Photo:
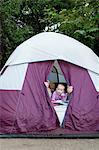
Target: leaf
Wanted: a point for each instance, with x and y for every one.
(93, 30)
(82, 32)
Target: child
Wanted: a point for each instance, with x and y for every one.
(60, 93)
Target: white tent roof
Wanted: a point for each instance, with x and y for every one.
(53, 46)
(48, 46)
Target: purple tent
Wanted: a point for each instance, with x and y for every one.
(26, 108)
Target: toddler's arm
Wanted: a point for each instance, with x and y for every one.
(69, 89)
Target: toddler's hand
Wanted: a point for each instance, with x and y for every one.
(69, 89)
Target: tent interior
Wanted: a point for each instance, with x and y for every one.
(56, 74)
(55, 77)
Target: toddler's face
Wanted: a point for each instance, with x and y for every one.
(60, 89)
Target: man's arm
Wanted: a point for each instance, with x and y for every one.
(48, 89)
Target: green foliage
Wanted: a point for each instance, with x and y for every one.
(21, 19)
(79, 22)
(13, 31)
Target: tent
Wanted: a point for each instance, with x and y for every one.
(25, 107)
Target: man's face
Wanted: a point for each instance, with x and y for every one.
(52, 87)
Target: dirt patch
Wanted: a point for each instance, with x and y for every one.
(49, 144)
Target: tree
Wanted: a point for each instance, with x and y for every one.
(21, 19)
(79, 22)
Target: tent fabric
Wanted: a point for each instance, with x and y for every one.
(30, 109)
(13, 77)
(8, 103)
(83, 110)
(25, 106)
(95, 79)
(53, 46)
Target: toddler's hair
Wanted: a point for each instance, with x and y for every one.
(64, 84)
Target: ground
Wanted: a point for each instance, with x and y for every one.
(49, 144)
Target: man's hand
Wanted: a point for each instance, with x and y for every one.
(47, 83)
